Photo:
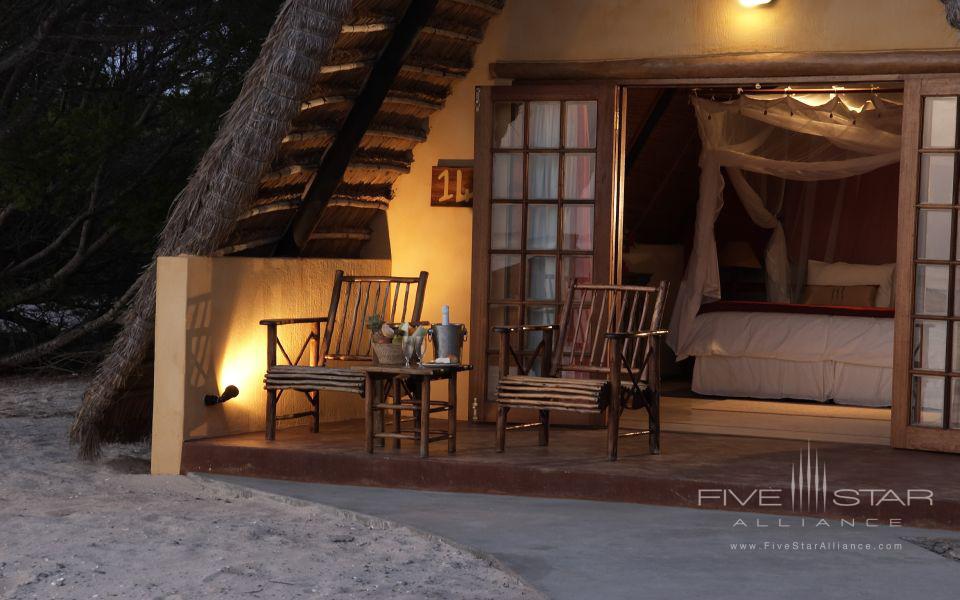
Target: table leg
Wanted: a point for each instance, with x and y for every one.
(368, 398)
(397, 413)
(378, 414)
(452, 413)
(424, 416)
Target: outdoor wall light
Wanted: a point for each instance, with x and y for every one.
(754, 3)
(230, 391)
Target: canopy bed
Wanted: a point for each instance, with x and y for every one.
(825, 329)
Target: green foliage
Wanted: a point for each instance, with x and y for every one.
(105, 108)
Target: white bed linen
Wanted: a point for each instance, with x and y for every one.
(772, 378)
(776, 355)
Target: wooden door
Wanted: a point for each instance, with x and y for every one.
(543, 212)
(926, 375)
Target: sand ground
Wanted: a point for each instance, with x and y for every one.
(108, 530)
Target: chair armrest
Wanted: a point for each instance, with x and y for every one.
(292, 321)
(513, 328)
(623, 335)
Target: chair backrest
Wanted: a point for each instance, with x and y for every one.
(593, 310)
(357, 297)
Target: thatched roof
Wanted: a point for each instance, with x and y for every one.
(441, 54)
(288, 158)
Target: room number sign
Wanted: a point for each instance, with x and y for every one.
(452, 186)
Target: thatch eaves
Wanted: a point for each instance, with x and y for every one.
(441, 55)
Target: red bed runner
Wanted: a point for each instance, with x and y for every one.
(795, 309)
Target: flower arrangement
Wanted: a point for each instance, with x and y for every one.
(394, 343)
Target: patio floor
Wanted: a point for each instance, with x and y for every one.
(574, 466)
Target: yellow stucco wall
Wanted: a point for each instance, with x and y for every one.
(208, 336)
(439, 239)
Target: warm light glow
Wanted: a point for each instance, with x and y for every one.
(754, 3)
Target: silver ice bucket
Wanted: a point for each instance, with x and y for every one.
(448, 340)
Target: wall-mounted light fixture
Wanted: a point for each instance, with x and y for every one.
(755, 3)
(230, 391)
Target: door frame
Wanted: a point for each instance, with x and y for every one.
(903, 433)
(745, 71)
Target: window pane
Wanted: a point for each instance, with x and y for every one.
(929, 345)
(579, 173)
(580, 124)
(928, 400)
(577, 227)
(504, 276)
(933, 234)
(940, 122)
(508, 125)
(503, 315)
(541, 227)
(956, 346)
(544, 124)
(538, 315)
(507, 176)
(936, 179)
(543, 177)
(931, 292)
(955, 404)
(541, 278)
(505, 226)
(576, 268)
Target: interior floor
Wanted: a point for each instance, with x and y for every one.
(685, 411)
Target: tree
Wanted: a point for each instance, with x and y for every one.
(105, 108)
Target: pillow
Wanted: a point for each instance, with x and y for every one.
(840, 295)
(847, 274)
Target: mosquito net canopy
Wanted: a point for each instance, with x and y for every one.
(757, 143)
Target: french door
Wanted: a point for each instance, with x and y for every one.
(926, 394)
(543, 212)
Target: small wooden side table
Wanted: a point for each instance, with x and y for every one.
(417, 379)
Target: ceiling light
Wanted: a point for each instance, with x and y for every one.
(754, 3)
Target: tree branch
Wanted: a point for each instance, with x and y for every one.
(30, 355)
(81, 219)
(47, 250)
(84, 251)
(5, 212)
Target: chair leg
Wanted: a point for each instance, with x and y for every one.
(315, 400)
(502, 427)
(544, 427)
(613, 432)
(653, 411)
(271, 417)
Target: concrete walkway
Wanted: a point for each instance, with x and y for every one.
(586, 550)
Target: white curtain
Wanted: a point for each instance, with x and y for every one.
(798, 137)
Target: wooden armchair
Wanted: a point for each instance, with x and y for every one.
(611, 331)
(341, 336)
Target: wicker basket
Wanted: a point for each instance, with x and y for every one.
(388, 353)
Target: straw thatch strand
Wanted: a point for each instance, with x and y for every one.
(953, 12)
(223, 186)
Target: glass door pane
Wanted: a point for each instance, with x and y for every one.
(544, 176)
(934, 359)
(544, 125)
(507, 176)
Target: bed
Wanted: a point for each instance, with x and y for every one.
(767, 350)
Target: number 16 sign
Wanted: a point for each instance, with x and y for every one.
(452, 186)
